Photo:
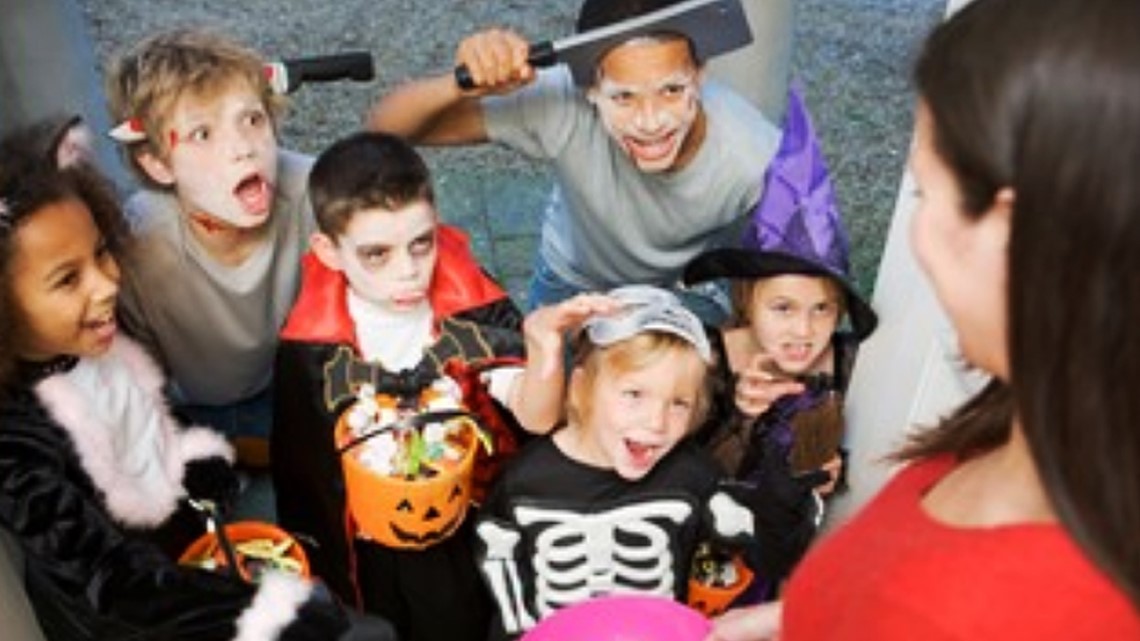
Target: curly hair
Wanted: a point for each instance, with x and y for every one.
(30, 180)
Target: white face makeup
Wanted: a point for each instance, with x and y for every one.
(389, 257)
(648, 97)
(222, 156)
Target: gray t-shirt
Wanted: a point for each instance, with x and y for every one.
(214, 327)
(608, 223)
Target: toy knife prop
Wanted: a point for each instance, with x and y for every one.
(713, 26)
(286, 76)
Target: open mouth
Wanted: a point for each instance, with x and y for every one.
(103, 329)
(641, 454)
(798, 352)
(428, 537)
(255, 194)
(651, 150)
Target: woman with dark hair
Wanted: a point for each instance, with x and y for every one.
(1019, 516)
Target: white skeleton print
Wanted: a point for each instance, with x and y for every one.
(555, 532)
(578, 556)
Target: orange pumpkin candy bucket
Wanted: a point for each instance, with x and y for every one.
(407, 472)
(258, 546)
(716, 582)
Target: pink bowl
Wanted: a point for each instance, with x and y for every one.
(622, 618)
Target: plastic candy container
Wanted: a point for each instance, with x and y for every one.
(622, 618)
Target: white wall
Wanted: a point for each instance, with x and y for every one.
(908, 372)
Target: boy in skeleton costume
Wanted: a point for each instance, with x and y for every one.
(393, 299)
(92, 465)
(617, 500)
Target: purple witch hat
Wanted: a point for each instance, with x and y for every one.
(796, 227)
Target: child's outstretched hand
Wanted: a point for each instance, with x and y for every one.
(545, 328)
(752, 623)
(496, 61)
(757, 387)
(833, 467)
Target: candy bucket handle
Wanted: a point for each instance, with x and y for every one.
(416, 420)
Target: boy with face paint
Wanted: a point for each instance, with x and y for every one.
(653, 162)
(395, 300)
(220, 225)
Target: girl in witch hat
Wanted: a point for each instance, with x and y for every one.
(784, 361)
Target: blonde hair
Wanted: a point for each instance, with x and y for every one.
(145, 83)
(631, 354)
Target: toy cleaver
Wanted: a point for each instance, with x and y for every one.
(713, 26)
(286, 76)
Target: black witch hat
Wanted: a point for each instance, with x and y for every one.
(796, 227)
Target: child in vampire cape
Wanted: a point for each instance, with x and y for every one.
(394, 301)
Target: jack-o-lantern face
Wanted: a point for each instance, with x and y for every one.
(409, 512)
(424, 517)
(713, 600)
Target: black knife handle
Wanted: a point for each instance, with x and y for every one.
(541, 54)
(356, 65)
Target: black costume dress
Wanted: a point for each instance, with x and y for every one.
(92, 466)
(430, 594)
(790, 515)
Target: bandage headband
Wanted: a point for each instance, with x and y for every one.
(132, 130)
(646, 308)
